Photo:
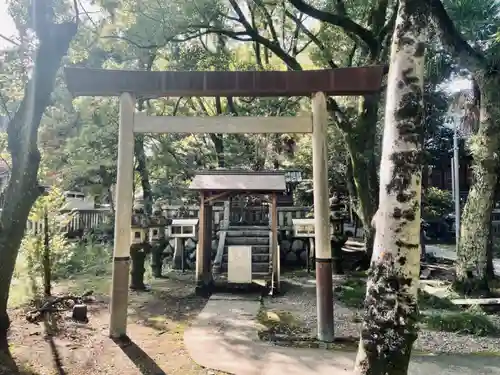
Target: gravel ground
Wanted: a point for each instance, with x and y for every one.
(300, 300)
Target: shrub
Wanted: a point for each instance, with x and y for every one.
(436, 203)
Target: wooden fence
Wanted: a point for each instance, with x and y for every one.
(87, 219)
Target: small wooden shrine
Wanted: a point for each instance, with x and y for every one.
(245, 190)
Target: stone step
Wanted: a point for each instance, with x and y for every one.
(255, 275)
(256, 268)
(247, 233)
(255, 249)
(249, 241)
(248, 227)
(256, 258)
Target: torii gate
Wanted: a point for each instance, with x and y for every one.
(130, 85)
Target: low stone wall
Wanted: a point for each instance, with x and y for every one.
(292, 251)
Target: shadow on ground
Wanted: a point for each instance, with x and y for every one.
(139, 357)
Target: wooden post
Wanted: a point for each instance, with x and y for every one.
(207, 250)
(201, 242)
(324, 287)
(123, 218)
(274, 242)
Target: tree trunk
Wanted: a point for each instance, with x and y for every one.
(490, 268)
(391, 312)
(218, 139)
(142, 169)
(111, 198)
(361, 145)
(46, 255)
(22, 189)
(472, 257)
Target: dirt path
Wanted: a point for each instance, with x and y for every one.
(156, 325)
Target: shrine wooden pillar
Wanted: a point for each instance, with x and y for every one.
(123, 219)
(274, 242)
(204, 248)
(323, 252)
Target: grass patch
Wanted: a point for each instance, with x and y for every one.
(352, 292)
(473, 323)
(428, 301)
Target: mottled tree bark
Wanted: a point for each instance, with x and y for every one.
(22, 189)
(391, 312)
(361, 145)
(472, 257)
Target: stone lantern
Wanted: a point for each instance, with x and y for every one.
(139, 247)
(339, 238)
(157, 239)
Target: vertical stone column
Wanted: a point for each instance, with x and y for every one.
(123, 217)
(324, 287)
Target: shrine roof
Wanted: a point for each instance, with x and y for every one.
(248, 181)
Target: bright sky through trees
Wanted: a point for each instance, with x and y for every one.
(8, 31)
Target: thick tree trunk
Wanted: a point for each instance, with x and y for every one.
(22, 189)
(391, 312)
(218, 139)
(360, 144)
(472, 257)
(490, 268)
(142, 169)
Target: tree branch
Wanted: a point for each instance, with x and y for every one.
(289, 60)
(269, 20)
(344, 22)
(10, 40)
(311, 36)
(471, 58)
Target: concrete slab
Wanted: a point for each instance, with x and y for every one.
(224, 337)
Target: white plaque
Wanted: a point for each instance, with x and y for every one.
(239, 268)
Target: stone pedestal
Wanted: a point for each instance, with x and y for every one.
(138, 253)
(337, 242)
(157, 258)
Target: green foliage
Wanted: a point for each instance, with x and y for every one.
(436, 203)
(33, 246)
(427, 301)
(85, 257)
(352, 292)
(474, 323)
(66, 258)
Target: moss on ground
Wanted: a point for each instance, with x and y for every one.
(352, 292)
(280, 322)
(445, 316)
(428, 301)
(473, 323)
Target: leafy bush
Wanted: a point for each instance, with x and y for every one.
(66, 258)
(436, 203)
